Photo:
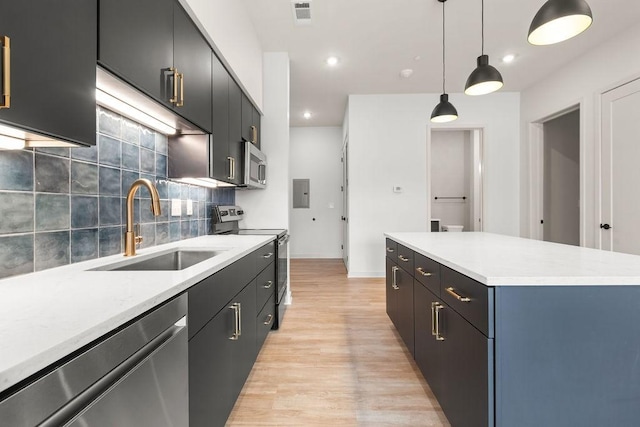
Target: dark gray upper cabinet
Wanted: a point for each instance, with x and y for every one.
(250, 122)
(192, 59)
(136, 43)
(154, 46)
(220, 163)
(52, 68)
(235, 123)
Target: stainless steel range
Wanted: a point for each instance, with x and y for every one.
(225, 221)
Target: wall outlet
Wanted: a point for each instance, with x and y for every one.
(397, 189)
(176, 207)
(189, 207)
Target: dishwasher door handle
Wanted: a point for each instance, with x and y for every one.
(98, 389)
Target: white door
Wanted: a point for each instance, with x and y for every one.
(620, 182)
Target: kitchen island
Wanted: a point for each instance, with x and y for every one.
(518, 332)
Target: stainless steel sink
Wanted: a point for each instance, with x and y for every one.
(178, 259)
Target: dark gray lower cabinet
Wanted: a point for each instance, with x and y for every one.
(428, 351)
(399, 289)
(392, 295)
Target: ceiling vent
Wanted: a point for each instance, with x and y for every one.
(301, 12)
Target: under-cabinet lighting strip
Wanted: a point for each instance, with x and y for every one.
(111, 102)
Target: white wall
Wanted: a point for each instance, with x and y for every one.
(231, 32)
(269, 208)
(387, 147)
(581, 82)
(315, 155)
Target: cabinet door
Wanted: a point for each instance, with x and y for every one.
(192, 58)
(52, 67)
(220, 152)
(244, 349)
(247, 118)
(256, 123)
(392, 292)
(136, 43)
(427, 349)
(405, 324)
(466, 395)
(211, 358)
(235, 129)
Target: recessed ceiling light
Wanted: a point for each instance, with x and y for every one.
(307, 115)
(406, 73)
(332, 61)
(508, 58)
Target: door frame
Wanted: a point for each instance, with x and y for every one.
(482, 129)
(345, 202)
(536, 169)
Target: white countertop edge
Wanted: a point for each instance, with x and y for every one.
(17, 364)
(542, 279)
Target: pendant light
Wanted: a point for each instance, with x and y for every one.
(485, 78)
(444, 111)
(559, 20)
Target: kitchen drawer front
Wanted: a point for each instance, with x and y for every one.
(264, 321)
(471, 299)
(265, 256)
(212, 294)
(266, 284)
(405, 258)
(427, 272)
(391, 250)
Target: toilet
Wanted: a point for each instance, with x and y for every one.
(452, 227)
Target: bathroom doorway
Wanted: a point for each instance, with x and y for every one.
(455, 180)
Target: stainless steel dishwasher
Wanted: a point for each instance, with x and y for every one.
(137, 376)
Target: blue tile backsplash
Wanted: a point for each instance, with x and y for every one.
(66, 205)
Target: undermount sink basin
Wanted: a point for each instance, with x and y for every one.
(178, 259)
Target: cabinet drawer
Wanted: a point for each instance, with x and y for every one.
(405, 258)
(266, 284)
(427, 272)
(473, 300)
(391, 250)
(213, 293)
(264, 321)
(264, 256)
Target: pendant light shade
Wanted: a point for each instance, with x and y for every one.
(444, 111)
(484, 79)
(559, 20)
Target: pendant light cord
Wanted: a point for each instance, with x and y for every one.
(443, 62)
(482, 27)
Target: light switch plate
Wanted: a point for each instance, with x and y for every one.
(176, 207)
(189, 207)
(397, 189)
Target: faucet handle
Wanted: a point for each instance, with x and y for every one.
(136, 233)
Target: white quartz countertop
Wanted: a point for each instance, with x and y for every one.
(45, 316)
(497, 260)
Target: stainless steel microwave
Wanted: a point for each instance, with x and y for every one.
(255, 167)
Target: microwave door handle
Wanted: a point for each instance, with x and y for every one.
(262, 173)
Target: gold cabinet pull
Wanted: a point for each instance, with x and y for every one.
(438, 334)
(390, 250)
(236, 321)
(267, 255)
(6, 72)
(394, 280)
(424, 273)
(239, 318)
(268, 284)
(254, 134)
(402, 258)
(453, 293)
(174, 99)
(231, 174)
(433, 318)
(269, 319)
(180, 103)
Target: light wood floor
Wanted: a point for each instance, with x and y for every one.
(336, 361)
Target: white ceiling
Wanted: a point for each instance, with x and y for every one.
(375, 39)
